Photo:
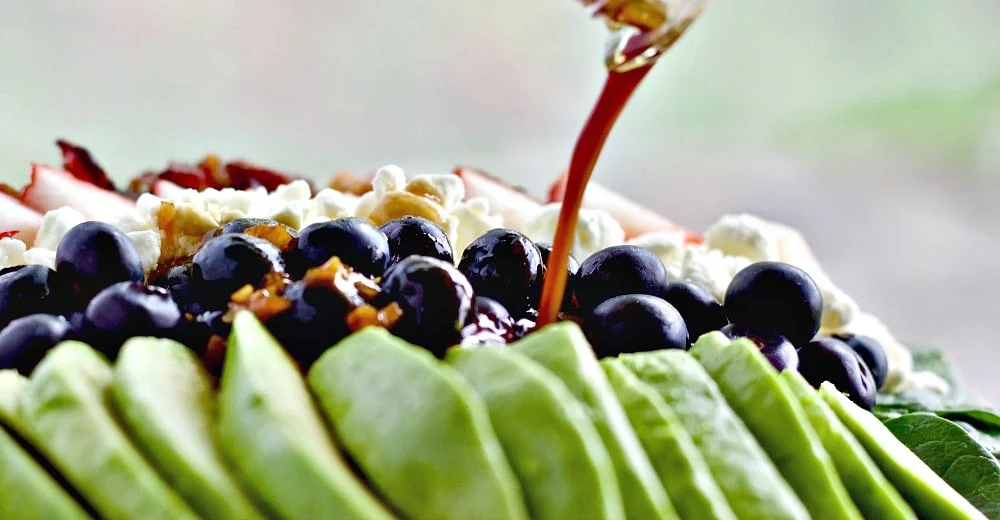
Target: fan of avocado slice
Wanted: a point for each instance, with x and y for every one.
(380, 428)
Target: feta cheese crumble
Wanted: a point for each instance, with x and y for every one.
(595, 230)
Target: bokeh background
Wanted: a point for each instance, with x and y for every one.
(872, 126)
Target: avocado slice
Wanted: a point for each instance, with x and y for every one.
(556, 452)
(165, 401)
(416, 429)
(273, 436)
(65, 413)
(29, 492)
(928, 494)
(563, 349)
(12, 385)
(752, 485)
(871, 491)
(677, 461)
(752, 387)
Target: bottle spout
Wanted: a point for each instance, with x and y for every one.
(642, 30)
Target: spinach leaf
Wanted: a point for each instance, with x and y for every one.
(921, 400)
(954, 455)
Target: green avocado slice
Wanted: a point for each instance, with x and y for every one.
(563, 349)
(273, 436)
(924, 490)
(752, 387)
(752, 485)
(871, 491)
(564, 468)
(64, 410)
(416, 429)
(29, 492)
(681, 468)
(165, 400)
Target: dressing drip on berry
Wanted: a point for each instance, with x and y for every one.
(642, 30)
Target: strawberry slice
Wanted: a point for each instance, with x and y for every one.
(513, 203)
(9, 234)
(166, 190)
(634, 218)
(18, 217)
(52, 188)
(78, 161)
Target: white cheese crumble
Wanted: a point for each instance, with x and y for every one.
(595, 230)
(743, 235)
(669, 247)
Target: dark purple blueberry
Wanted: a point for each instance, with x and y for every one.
(25, 341)
(871, 352)
(477, 338)
(774, 298)
(315, 321)
(506, 266)
(29, 290)
(128, 309)
(357, 242)
(435, 298)
(572, 266)
(777, 349)
(227, 263)
(635, 323)
(94, 255)
(618, 270)
(488, 313)
(416, 236)
(829, 359)
(178, 282)
(701, 312)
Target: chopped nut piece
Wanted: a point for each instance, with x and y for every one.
(243, 294)
(367, 315)
(397, 204)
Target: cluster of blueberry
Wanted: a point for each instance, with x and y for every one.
(620, 295)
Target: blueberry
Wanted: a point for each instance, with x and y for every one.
(829, 359)
(436, 300)
(506, 266)
(701, 312)
(178, 282)
(29, 290)
(25, 341)
(416, 236)
(94, 255)
(635, 323)
(357, 243)
(241, 225)
(774, 298)
(129, 309)
(871, 353)
(227, 263)
(487, 315)
(315, 321)
(572, 266)
(618, 270)
(776, 349)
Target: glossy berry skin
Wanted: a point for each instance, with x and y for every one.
(436, 300)
(29, 290)
(357, 242)
(315, 321)
(240, 225)
(227, 263)
(178, 282)
(25, 341)
(506, 266)
(829, 359)
(871, 352)
(618, 270)
(774, 298)
(129, 309)
(416, 236)
(94, 255)
(701, 312)
(635, 323)
(776, 349)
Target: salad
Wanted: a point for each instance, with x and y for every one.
(225, 340)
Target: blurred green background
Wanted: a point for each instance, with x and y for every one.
(873, 126)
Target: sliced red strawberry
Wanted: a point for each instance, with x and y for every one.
(634, 218)
(243, 175)
(514, 204)
(17, 216)
(9, 234)
(166, 189)
(78, 161)
(52, 188)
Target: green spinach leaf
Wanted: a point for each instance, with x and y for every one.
(954, 455)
